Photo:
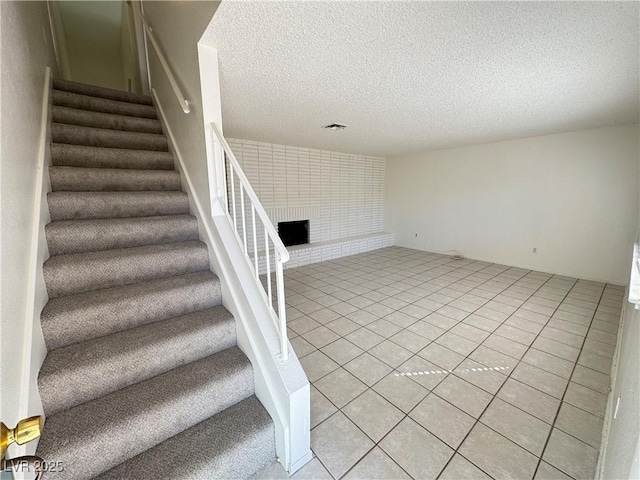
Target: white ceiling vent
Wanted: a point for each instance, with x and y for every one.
(335, 126)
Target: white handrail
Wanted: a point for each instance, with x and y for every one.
(184, 103)
(262, 214)
(281, 254)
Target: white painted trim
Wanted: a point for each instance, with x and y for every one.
(282, 388)
(34, 349)
(613, 375)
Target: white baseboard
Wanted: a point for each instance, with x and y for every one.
(34, 348)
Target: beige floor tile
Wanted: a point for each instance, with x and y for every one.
(506, 346)
(426, 330)
(400, 319)
(570, 455)
(459, 468)
(518, 426)
(542, 380)
(302, 324)
(409, 340)
(341, 351)
(549, 363)
(547, 472)
(403, 392)
(302, 347)
(441, 356)
(342, 326)
(582, 425)
(586, 399)
(558, 349)
(530, 400)
(368, 369)
(364, 338)
(441, 321)
(592, 379)
(496, 455)
(384, 328)
(492, 358)
(339, 444)
(321, 408)
(340, 387)
(390, 353)
(316, 365)
(482, 376)
(457, 343)
(321, 336)
(445, 421)
(373, 414)
(416, 450)
(420, 371)
(314, 470)
(468, 398)
(376, 465)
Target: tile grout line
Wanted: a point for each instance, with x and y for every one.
(555, 419)
(430, 390)
(477, 421)
(513, 282)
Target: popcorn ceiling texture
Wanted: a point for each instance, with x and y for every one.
(412, 76)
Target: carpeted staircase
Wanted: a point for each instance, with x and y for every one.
(143, 378)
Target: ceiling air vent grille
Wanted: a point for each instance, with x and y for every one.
(335, 126)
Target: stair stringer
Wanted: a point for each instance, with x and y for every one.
(282, 387)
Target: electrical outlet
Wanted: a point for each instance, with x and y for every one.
(534, 250)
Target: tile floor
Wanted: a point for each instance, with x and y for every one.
(426, 367)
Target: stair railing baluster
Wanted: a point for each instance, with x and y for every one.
(280, 252)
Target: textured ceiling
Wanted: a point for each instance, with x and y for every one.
(411, 76)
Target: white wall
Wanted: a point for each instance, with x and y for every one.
(573, 196)
(621, 449)
(92, 33)
(26, 50)
(342, 195)
(178, 25)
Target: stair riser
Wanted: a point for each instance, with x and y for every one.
(236, 443)
(100, 157)
(83, 206)
(94, 271)
(73, 179)
(197, 391)
(94, 104)
(101, 92)
(97, 235)
(96, 137)
(152, 350)
(66, 321)
(73, 116)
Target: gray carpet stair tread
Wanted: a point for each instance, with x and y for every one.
(87, 118)
(93, 205)
(98, 435)
(102, 92)
(84, 371)
(81, 317)
(83, 272)
(79, 236)
(96, 104)
(101, 137)
(79, 179)
(101, 157)
(233, 444)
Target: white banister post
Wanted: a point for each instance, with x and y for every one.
(282, 310)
